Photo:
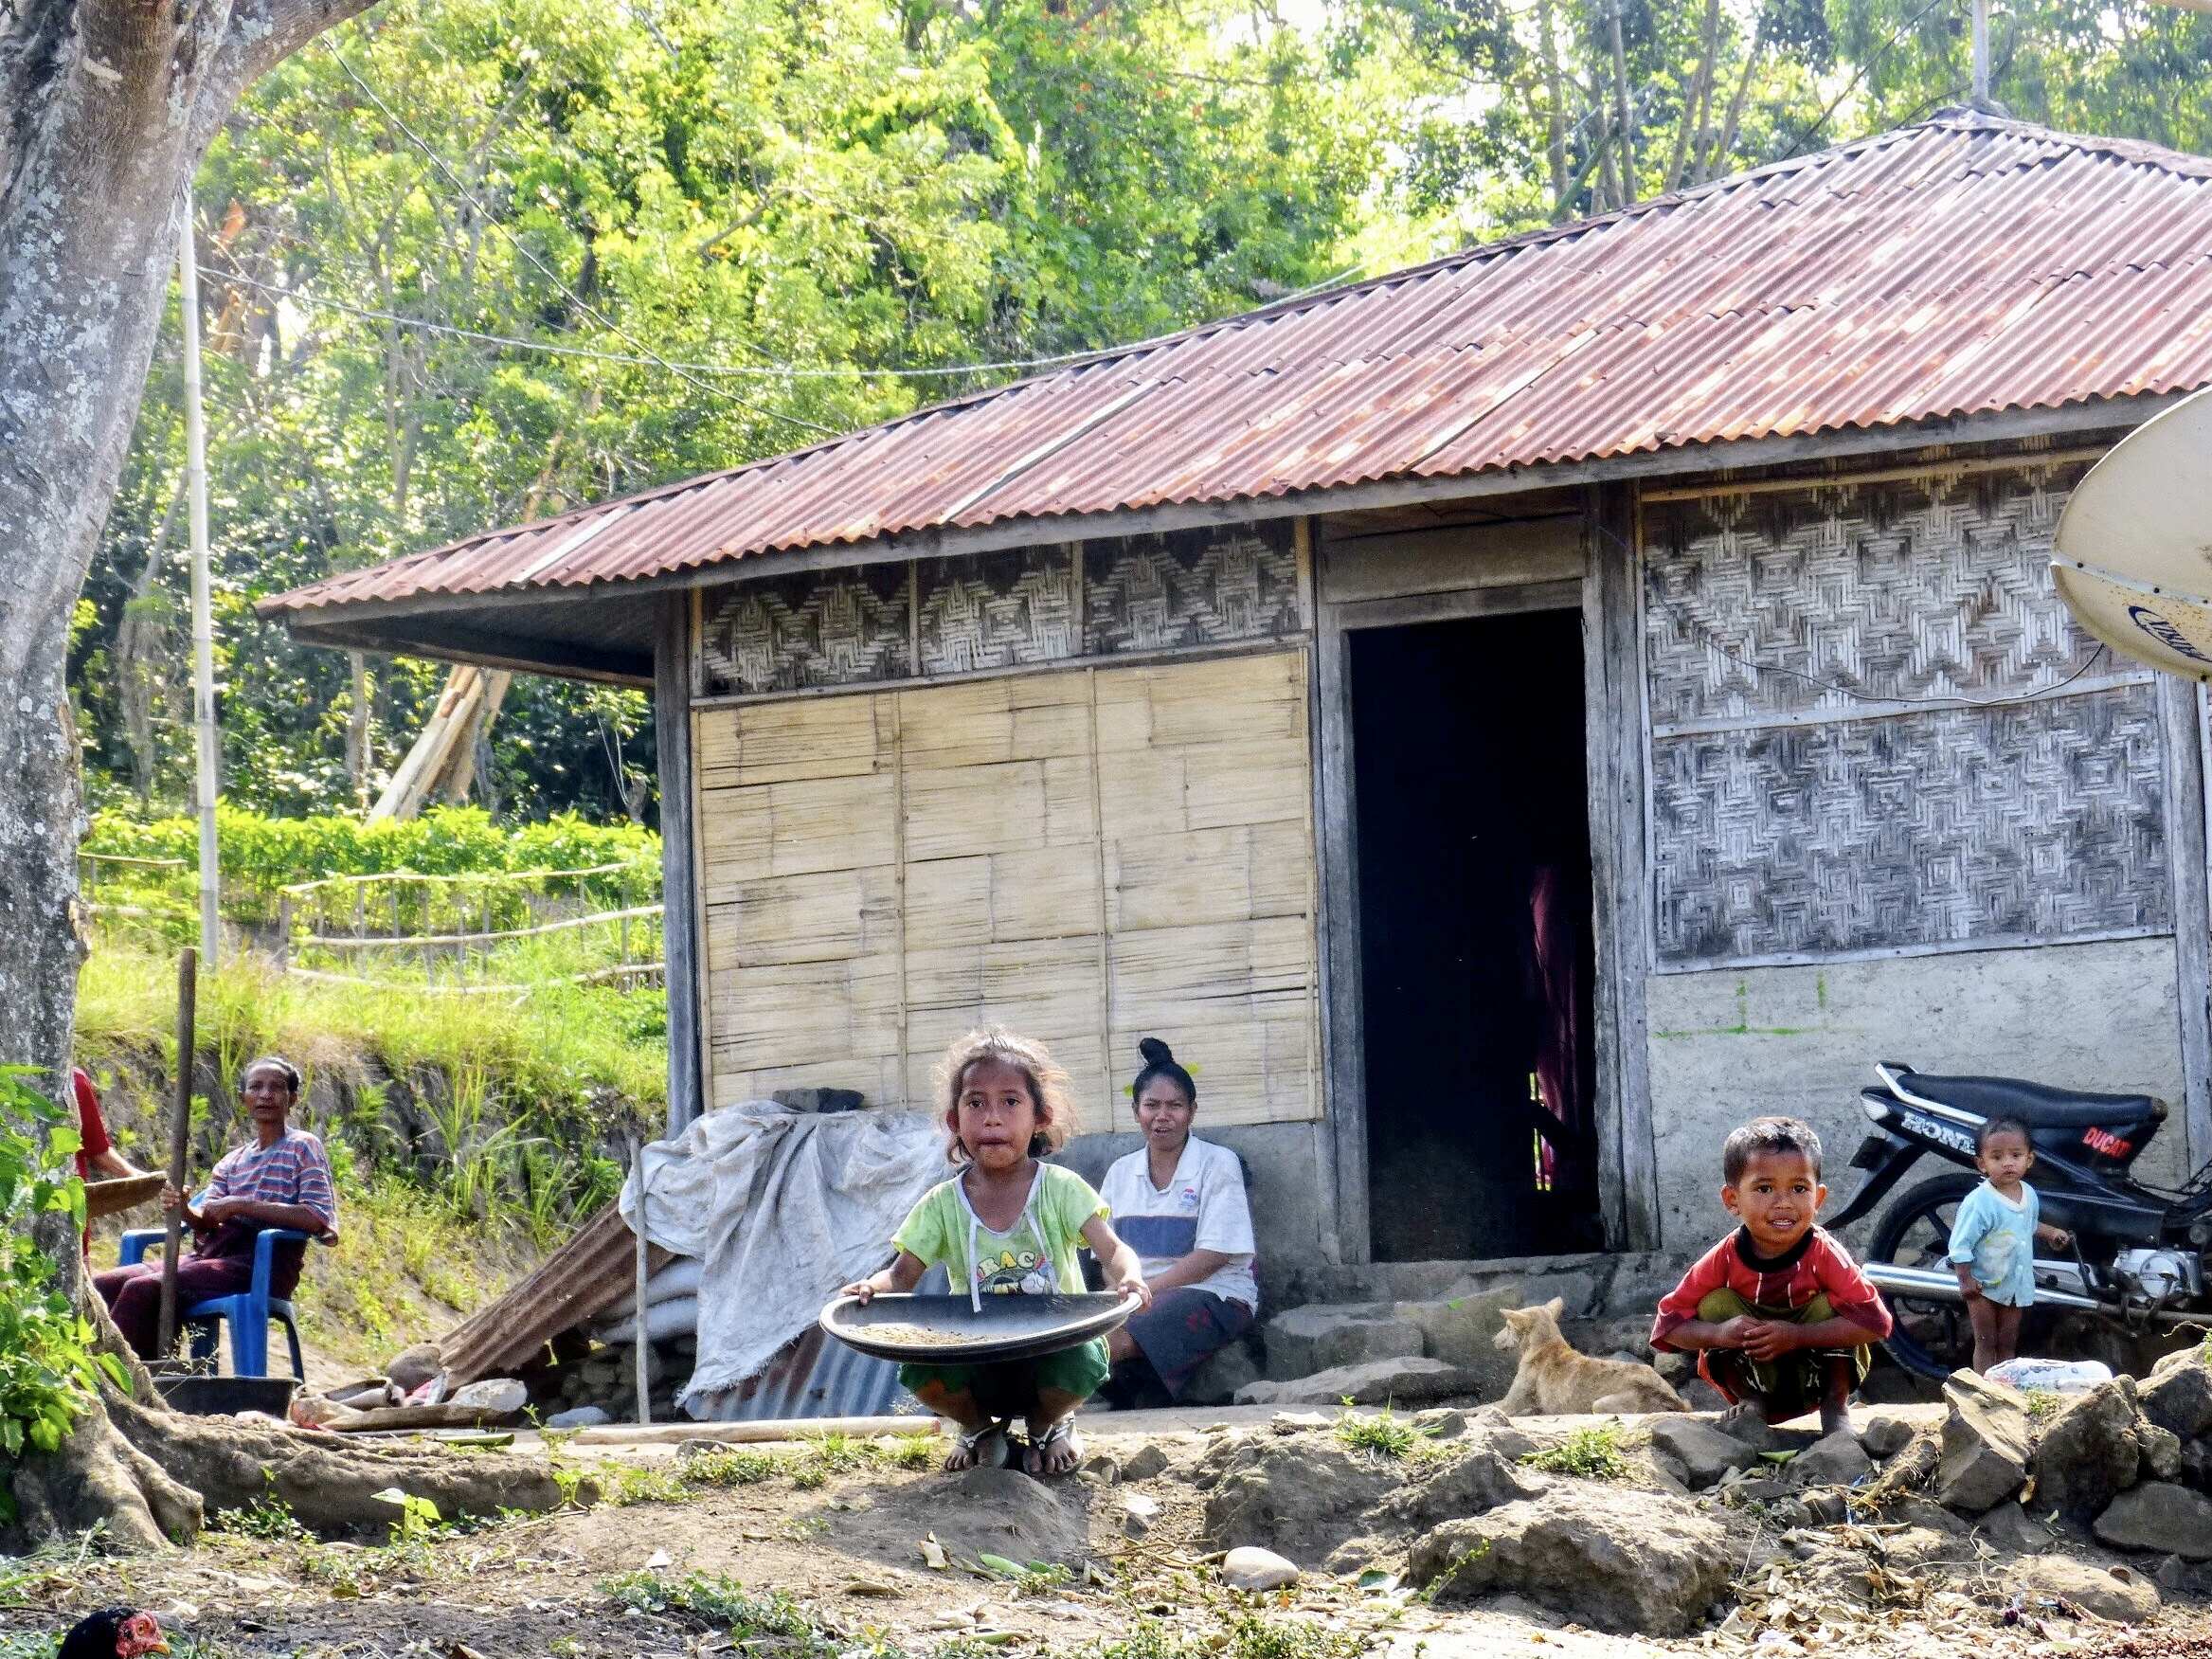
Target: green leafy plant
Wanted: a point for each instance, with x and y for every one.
(48, 1370)
(734, 1468)
(712, 1601)
(1383, 1433)
(417, 1521)
(1592, 1453)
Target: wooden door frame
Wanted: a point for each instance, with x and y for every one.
(1603, 591)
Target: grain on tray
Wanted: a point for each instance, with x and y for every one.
(921, 1335)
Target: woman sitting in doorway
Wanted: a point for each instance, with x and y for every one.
(1180, 1203)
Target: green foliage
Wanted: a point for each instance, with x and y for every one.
(1593, 1453)
(1383, 1433)
(734, 1467)
(711, 1601)
(48, 1371)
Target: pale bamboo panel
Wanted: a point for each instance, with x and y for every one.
(1046, 989)
(1202, 787)
(998, 897)
(1232, 700)
(1249, 1071)
(875, 1076)
(1076, 1053)
(1231, 970)
(836, 914)
(803, 1013)
(1014, 806)
(991, 721)
(797, 828)
(775, 743)
(1233, 875)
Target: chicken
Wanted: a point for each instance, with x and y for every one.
(114, 1633)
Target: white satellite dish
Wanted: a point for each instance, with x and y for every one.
(2132, 557)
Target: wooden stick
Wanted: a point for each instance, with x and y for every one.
(180, 1129)
(799, 1429)
(643, 1349)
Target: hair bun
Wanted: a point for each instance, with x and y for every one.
(1154, 1052)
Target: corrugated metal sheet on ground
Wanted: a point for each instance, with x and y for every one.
(1964, 265)
(816, 1376)
(585, 1276)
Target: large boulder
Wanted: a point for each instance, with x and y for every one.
(1986, 1444)
(1322, 1336)
(2090, 1452)
(1462, 1331)
(1301, 1495)
(1469, 1485)
(2159, 1516)
(1393, 1381)
(2119, 1594)
(1621, 1560)
(1833, 1460)
(1220, 1375)
(2177, 1396)
(1695, 1452)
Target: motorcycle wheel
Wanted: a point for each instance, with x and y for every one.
(1929, 1337)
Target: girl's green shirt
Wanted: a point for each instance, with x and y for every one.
(1015, 1262)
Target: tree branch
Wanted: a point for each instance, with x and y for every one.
(262, 34)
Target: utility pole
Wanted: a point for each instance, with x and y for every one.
(203, 605)
(1981, 54)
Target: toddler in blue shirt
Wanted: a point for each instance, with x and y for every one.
(1993, 1240)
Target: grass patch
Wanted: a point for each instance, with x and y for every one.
(631, 1483)
(715, 1601)
(730, 1469)
(1592, 1454)
(1383, 1433)
(2042, 1402)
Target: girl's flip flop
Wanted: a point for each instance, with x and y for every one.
(1041, 1447)
(987, 1448)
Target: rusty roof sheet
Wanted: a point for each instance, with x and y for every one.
(589, 1273)
(1964, 265)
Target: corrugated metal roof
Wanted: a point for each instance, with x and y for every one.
(1964, 265)
(585, 1276)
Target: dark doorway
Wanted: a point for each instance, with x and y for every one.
(1475, 937)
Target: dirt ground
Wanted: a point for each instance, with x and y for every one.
(851, 1548)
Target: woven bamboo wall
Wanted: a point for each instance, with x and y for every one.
(1087, 856)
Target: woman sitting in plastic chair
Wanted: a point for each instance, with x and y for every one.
(282, 1180)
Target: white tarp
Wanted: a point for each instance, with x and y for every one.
(781, 1208)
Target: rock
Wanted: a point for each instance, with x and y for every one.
(1478, 1481)
(2161, 1452)
(1220, 1375)
(2117, 1592)
(1462, 1331)
(1501, 1434)
(2173, 1573)
(1391, 1381)
(582, 1416)
(1675, 1367)
(2011, 1528)
(1322, 1336)
(1441, 1423)
(2178, 1394)
(502, 1396)
(1834, 1460)
(1102, 1466)
(1927, 1514)
(1885, 1435)
(412, 1367)
(690, 1451)
(1247, 1567)
(1144, 1463)
(1695, 1452)
(2158, 1515)
(1700, 1395)
(1985, 1444)
(1301, 1494)
(1621, 1560)
(1137, 1513)
(2197, 1465)
(2089, 1452)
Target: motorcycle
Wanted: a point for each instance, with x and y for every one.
(2136, 1282)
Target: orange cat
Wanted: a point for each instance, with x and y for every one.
(1554, 1380)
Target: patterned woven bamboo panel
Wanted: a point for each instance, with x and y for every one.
(1892, 591)
(2032, 821)
(1025, 607)
(784, 633)
(1804, 806)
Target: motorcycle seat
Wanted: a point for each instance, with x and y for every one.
(2038, 1105)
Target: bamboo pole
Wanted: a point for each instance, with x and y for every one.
(792, 1428)
(644, 1346)
(207, 762)
(180, 1129)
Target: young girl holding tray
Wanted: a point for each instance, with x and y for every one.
(1008, 1225)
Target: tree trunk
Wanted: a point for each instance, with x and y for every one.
(105, 109)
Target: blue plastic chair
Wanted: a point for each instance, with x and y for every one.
(249, 1311)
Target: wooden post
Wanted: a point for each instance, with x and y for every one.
(638, 1227)
(180, 1129)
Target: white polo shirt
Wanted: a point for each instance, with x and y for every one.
(1202, 1207)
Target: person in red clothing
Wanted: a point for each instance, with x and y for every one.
(1780, 1317)
(96, 1153)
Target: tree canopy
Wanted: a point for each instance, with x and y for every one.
(475, 262)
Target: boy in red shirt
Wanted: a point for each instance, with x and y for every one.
(1779, 1315)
